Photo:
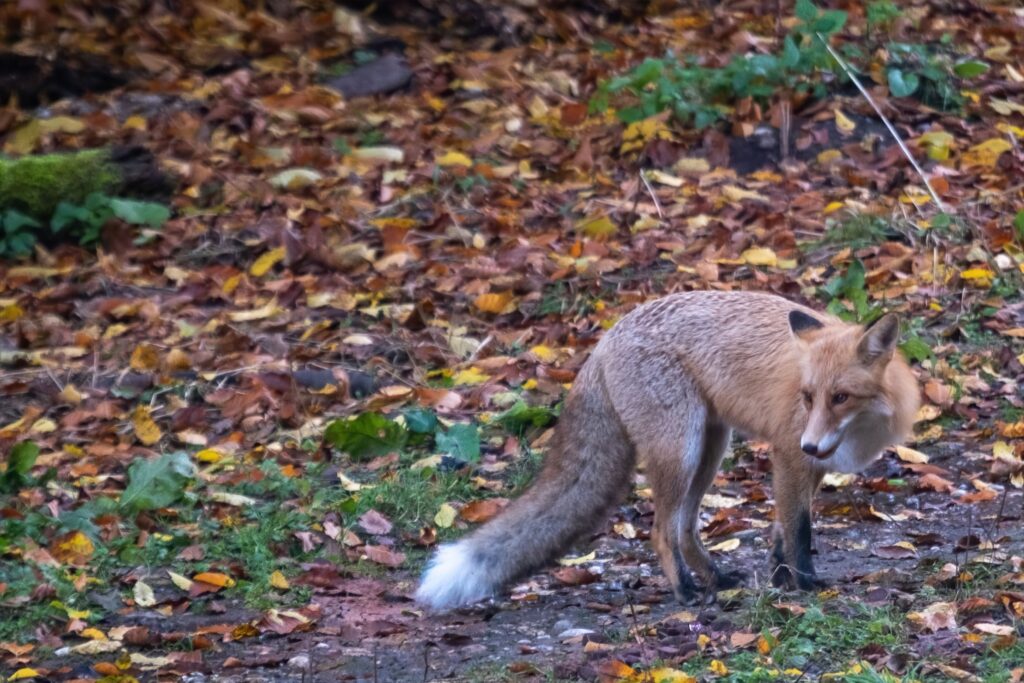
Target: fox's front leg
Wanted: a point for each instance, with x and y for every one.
(794, 483)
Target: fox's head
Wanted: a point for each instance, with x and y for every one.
(849, 409)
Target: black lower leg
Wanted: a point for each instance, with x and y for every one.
(686, 589)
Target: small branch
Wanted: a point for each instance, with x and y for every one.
(650, 191)
(878, 110)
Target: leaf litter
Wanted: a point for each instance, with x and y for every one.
(223, 426)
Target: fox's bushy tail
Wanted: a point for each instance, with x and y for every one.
(588, 467)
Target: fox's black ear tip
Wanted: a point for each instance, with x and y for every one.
(800, 322)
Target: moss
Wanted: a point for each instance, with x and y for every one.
(35, 185)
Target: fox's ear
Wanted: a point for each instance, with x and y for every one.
(800, 323)
(879, 339)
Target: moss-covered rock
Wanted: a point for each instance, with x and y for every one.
(34, 185)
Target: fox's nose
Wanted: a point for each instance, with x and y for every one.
(809, 448)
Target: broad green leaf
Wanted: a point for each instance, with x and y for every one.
(902, 84)
(520, 416)
(367, 436)
(806, 11)
(420, 421)
(1018, 224)
(140, 213)
(916, 349)
(970, 69)
(158, 482)
(14, 221)
(22, 457)
(461, 441)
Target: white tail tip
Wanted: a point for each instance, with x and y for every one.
(453, 578)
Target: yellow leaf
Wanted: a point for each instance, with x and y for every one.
(1003, 450)
(664, 178)
(829, 156)
(718, 668)
(10, 313)
(726, 546)
(93, 634)
(43, 426)
(182, 582)
(76, 548)
(385, 154)
(978, 277)
(136, 122)
(582, 559)
(691, 166)
(268, 310)
(666, 675)
(910, 455)
(833, 207)
(278, 580)
(986, 153)
(454, 159)
(938, 144)
(738, 194)
(545, 354)
(145, 358)
(209, 455)
(470, 376)
(146, 430)
(760, 256)
(495, 302)
(445, 516)
(143, 594)
(843, 123)
(22, 674)
(215, 579)
(348, 484)
(268, 260)
(24, 139)
(597, 226)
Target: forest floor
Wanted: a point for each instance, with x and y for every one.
(234, 440)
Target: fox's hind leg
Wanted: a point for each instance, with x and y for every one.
(681, 446)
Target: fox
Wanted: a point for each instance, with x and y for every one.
(666, 387)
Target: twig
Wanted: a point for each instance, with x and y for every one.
(878, 110)
(650, 191)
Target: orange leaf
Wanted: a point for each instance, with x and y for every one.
(495, 302)
(482, 510)
(215, 579)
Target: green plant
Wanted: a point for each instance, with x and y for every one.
(847, 295)
(85, 221)
(880, 14)
(856, 231)
(20, 460)
(697, 95)
(925, 72)
(19, 233)
(82, 223)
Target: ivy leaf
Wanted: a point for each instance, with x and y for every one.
(461, 441)
(158, 482)
(806, 11)
(902, 85)
(140, 213)
(14, 221)
(367, 436)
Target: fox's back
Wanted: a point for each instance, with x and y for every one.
(736, 345)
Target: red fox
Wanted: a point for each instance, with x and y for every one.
(667, 385)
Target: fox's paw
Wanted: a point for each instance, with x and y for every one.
(810, 581)
(731, 579)
(782, 577)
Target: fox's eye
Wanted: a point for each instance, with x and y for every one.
(839, 398)
(808, 399)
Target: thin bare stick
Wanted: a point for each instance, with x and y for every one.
(650, 191)
(878, 110)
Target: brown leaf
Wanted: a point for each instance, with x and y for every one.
(375, 523)
(482, 510)
(383, 555)
(574, 576)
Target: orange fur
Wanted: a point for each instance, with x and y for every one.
(667, 385)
